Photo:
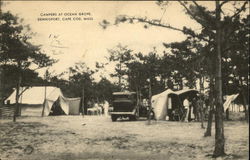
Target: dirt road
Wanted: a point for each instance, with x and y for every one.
(96, 137)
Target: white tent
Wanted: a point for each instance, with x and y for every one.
(33, 98)
(168, 100)
(159, 104)
(74, 105)
(229, 100)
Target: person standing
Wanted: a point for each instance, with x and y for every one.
(186, 105)
(196, 108)
(106, 108)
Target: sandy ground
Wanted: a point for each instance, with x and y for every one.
(96, 137)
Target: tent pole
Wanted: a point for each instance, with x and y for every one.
(44, 100)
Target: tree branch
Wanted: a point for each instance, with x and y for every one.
(192, 15)
(224, 2)
(236, 14)
(199, 7)
(205, 15)
(157, 23)
(240, 10)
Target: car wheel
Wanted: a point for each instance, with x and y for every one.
(134, 117)
(137, 115)
(152, 115)
(113, 118)
(131, 118)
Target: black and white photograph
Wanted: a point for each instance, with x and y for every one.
(124, 80)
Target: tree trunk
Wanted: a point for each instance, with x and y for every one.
(202, 104)
(17, 110)
(227, 114)
(219, 128)
(82, 102)
(150, 106)
(201, 81)
(209, 124)
(1, 85)
(201, 114)
(211, 107)
(246, 110)
(210, 116)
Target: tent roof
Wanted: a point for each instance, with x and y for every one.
(186, 91)
(35, 95)
(182, 93)
(166, 92)
(162, 94)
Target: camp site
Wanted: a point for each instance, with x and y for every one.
(124, 80)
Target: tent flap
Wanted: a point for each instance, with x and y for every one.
(229, 100)
(74, 106)
(159, 104)
(64, 105)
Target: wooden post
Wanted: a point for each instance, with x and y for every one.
(82, 105)
(150, 106)
(45, 90)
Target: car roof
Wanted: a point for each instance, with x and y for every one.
(123, 93)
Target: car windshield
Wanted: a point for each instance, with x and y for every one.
(121, 97)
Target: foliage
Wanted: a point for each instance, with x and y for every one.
(18, 54)
(80, 81)
(121, 55)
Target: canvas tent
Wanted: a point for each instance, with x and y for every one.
(229, 101)
(32, 100)
(74, 105)
(165, 103)
(160, 103)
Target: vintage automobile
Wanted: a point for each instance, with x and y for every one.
(125, 104)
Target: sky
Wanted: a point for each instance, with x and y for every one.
(71, 41)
